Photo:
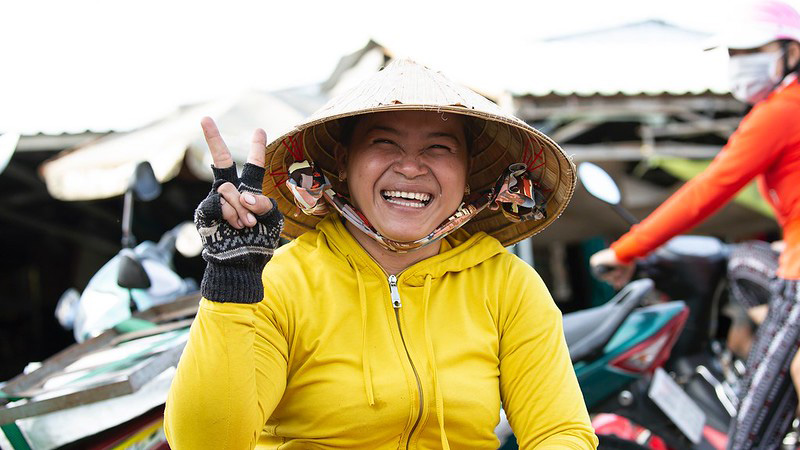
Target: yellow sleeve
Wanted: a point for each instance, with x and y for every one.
(230, 378)
(538, 386)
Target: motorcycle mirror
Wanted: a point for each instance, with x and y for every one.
(131, 274)
(144, 186)
(599, 183)
(144, 183)
(188, 242)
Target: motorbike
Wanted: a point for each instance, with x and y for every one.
(672, 386)
(614, 345)
(704, 372)
(139, 277)
(621, 344)
(692, 268)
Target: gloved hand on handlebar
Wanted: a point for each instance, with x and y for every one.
(608, 268)
(239, 226)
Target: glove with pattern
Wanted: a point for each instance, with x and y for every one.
(235, 258)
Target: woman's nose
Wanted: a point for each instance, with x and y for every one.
(410, 166)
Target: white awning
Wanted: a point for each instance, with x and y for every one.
(104, 168)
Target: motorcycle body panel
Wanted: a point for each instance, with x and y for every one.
(104, 304)
(597, 377)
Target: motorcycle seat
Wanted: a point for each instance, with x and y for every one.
(589, 330)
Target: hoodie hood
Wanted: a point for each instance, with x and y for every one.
(459, 251)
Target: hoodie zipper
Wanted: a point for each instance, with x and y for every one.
(397, 304)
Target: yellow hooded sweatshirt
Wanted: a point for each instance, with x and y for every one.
(336, 356)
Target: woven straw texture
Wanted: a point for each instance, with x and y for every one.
(500, 140)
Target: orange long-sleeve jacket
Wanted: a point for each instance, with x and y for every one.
(767, 146)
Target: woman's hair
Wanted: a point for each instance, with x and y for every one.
(346, 127)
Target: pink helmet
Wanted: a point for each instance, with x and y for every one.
(758, 23)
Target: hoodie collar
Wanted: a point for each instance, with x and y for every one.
(459, 251)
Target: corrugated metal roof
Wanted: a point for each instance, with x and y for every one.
(645, 58)
(653, 30)
(651, 57)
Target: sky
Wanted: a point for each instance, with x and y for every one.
(100, 65)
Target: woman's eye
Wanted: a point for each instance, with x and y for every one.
(439, 147)
(383, 141)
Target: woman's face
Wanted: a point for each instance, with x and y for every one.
(406, 170)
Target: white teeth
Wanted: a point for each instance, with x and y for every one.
(402, 203)
(421, 196)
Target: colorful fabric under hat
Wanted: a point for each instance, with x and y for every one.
(517, 206)
(515, 192)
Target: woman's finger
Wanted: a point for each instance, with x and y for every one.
(232, 197)
(230, 216)
(258, 148)
(219, 151)
(257, 204)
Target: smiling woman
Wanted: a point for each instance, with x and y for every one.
(395, 318)
(407, 171)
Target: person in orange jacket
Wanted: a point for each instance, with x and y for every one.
(764, 49)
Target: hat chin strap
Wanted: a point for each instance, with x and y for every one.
(343, 206)
(514, 191)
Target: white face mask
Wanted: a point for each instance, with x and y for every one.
(752, 76)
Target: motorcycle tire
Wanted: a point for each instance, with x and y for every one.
(608, 442)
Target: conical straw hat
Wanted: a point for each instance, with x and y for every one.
(500, 139)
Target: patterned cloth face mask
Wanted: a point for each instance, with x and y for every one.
(515, 192)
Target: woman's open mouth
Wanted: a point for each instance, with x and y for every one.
(405, 198)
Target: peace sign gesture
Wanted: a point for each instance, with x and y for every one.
(238, 208)
(240, 227)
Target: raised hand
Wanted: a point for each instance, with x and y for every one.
(239, 208)
(240, 227)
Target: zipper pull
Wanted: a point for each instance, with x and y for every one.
(393, 291)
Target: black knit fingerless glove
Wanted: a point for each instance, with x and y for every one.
(236, 258)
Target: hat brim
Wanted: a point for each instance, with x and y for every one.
(498, 140)
(748, 38)
(743, 41)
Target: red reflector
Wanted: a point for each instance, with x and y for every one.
(651, 353)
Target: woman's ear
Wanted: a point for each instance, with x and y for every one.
(340, 153)
(793, 54)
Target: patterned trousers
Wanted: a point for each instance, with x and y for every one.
(751, 272)
(768, 401)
